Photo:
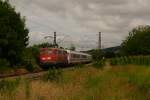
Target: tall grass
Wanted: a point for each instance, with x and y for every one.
(53, 74)
(27, 88)
(9, 86)
(99, 63)
(86, 83)
(135, 60)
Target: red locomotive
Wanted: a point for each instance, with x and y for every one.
(53, 56)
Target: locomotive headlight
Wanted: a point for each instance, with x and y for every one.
(49, 58)
(43, 58)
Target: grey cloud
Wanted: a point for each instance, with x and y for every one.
(81, 20)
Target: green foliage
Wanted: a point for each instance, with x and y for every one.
(93, 82)
(100, 64)
(53, 74)
(72, 47)
(13, 33)
(80, 65)
(27, 88)
(43, 45)
(4, 64)
(141, 81)
(29, 59)
(9, 86)
(136, 60)
(96, 54)
(137, 43)
(109, 54)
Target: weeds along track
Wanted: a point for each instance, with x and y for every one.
(34, 75)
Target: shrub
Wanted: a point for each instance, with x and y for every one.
(53, 74)
(9, 86)
(79, 65)
(27, 88)
(29, 60)
(100, 63)
(137, 60)
(4, 64)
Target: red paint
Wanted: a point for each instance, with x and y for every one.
(53, 56)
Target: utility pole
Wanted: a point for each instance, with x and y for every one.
(55, 43)
(99, 41)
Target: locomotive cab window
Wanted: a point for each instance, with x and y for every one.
(45, 51)
(49, 51)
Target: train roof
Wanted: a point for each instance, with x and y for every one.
(68, 51)
(77, 52)
(52, 48)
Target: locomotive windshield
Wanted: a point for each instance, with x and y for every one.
(45, 51)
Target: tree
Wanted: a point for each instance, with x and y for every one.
(44, 45)
(97, 54)
(13, 33)
(72, 47)
(138, 41)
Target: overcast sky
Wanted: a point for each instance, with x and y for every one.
(79, 21)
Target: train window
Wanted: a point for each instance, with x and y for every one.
(83, 56)
(75, 56)
(49, 51)
(78, 56)
(64, 52)
(45, 51)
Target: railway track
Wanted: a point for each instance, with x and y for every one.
(27, 75)
(35, 75)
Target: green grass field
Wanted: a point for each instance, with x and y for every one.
(84, 83)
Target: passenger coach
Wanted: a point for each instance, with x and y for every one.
(78, 57)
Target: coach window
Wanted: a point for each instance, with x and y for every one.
(83, 56)
(77, 56)
(64, 52)
(73, 55)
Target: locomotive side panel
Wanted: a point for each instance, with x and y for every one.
(52, 56)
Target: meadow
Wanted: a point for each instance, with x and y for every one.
(127, 82)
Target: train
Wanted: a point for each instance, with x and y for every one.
(57, 56)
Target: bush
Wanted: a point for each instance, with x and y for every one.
(99, 64)
(136, 60)
(4, 64)
(29, 60)
(80, 65)
(9, 86)
(27, 88)
(53, 74)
